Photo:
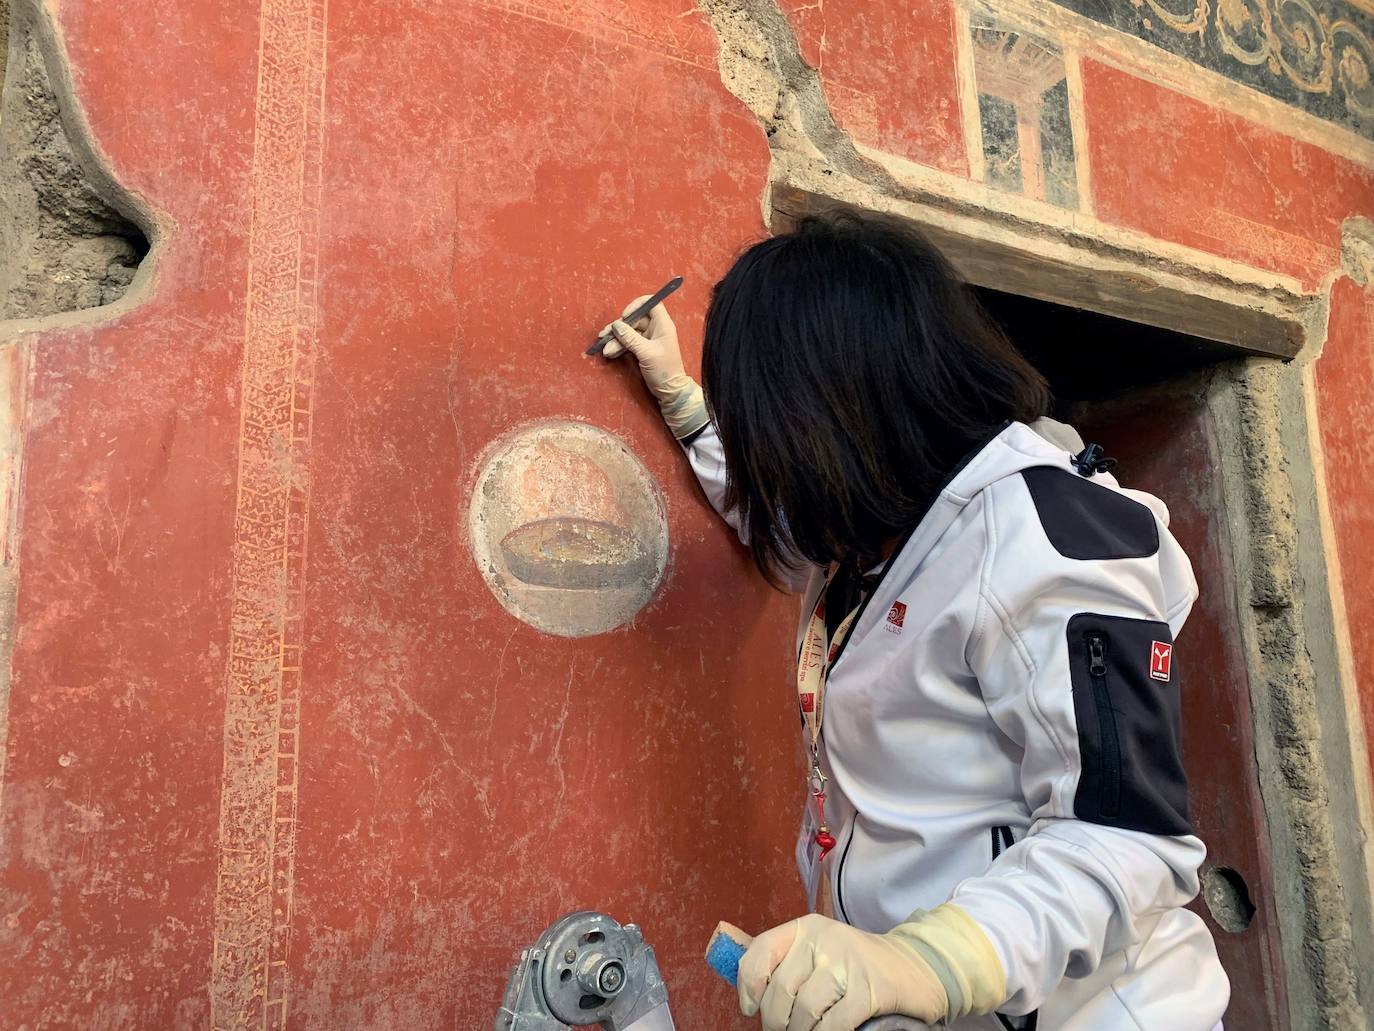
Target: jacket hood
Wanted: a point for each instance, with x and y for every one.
(1016, 447)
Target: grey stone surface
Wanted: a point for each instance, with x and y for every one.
(1284, 604)
(62, 246)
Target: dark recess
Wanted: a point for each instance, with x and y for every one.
(1090, 357)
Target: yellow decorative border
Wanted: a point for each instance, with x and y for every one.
(257, 831)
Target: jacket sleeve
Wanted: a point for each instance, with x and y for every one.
(1074, 656)
(707, 458)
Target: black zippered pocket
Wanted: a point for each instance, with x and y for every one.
(1126, 706)
(1109, 743)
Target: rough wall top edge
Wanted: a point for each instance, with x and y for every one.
(37, 19)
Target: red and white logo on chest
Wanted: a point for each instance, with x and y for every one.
(1161, 660)
(896, 616)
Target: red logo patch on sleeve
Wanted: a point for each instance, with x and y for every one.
(897, 614)
(1161, 660)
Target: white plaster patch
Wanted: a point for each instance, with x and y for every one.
(568, 528)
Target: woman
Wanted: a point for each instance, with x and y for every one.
(999, 812)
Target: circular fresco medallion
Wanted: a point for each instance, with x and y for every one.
(568, 528)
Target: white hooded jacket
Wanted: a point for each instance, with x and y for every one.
(1002, 731)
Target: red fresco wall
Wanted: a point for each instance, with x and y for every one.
(1345, 386)
(334, 783)
(277, 755)
(1180, 170)
(889, 74)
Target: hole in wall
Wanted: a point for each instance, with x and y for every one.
(1228, 898)
(63, 247)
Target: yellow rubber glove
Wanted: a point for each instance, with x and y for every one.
(653, 341)
(816, 974)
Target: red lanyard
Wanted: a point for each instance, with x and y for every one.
(813, 668)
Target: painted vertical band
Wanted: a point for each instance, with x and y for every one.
(16, 367)
(257, 829)
(1078, 123)
(968, 95)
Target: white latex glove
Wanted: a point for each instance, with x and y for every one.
(653, 341)
(817, 974)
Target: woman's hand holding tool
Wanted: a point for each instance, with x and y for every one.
(653, 342)
(817, 974)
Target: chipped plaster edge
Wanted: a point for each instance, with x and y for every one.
(1357, 249)
(35, 20)
(761, 63)
(1345, 744)
(1307, 779)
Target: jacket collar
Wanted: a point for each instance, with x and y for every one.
(1013, 448)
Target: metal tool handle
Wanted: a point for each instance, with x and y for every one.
(639, 313)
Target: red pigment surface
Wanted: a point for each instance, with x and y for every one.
(1181, 170)
(412, 783)
(1345, 387)
(889, 74)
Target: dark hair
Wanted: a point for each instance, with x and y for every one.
(849, 370)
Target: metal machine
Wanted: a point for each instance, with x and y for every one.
(587, 969)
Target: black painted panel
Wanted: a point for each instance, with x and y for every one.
(1317, 55)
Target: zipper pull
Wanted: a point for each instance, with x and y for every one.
(1097, 656)
(1092, 460)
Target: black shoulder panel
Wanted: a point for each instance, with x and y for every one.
(1086, 521)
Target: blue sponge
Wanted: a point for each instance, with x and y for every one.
(725, 951)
